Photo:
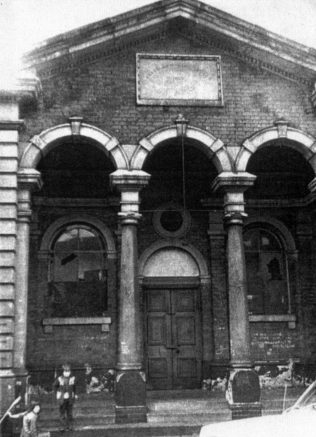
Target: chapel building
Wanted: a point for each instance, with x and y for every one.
(157, 206)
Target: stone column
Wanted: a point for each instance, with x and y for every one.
(243, 388)
(28, 180)
(130, 380)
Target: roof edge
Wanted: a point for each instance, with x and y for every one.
(110, 29)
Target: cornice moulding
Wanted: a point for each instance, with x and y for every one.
(110, 30)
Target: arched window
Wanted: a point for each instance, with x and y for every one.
(77, 276)
(267, 272)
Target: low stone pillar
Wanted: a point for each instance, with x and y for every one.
(28, 180)
(243, 392)
(130, 380)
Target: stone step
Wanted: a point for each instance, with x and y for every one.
(132, 430)
(199, 418)
(187, 405)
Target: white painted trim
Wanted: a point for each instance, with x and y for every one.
(213, 147)
(303, 143)
(43, 143)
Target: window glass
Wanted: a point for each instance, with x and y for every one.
(266, 273)
(78, 282)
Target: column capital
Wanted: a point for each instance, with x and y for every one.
(233, 182)
(129, 180)
(234, 218)
(129, 218)
(234, 185)
(29, 179)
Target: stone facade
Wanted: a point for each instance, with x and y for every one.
(89, 157)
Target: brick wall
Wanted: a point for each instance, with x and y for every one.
(103, 92)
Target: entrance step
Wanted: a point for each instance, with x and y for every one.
(170, 413)
(133, 430)
(94, 410)
(187, 406)
(276, 400)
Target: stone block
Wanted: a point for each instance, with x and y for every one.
(8, 195)
(8, 136)
(8, 150)
(8, 180)
(6, 326)
(6, 360)
(7, 291)
(8, 211)
(7, 242)
(6, 309)
(8, 165)
(7, 226)
(7, 275)
(130, 397)
(6, 342)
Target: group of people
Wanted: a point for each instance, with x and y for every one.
(65, 392)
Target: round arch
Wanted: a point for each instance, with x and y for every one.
(175, 244)
(301, 142)
(282, 230)
(79, 218)
(41, 144)
(213, 147)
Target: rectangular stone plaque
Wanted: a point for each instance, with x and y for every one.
(192, 80)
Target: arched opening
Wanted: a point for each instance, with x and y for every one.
(282, 172)
(180, 172)
(72, 258)
(75, 169)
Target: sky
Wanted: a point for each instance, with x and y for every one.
(25, 23)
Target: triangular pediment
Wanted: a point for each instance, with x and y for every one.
(190, 18)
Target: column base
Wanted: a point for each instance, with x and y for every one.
(130, 397)
(246, 410)
(243, 393)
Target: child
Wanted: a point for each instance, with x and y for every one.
(65, 389)
(29, 427)
(92, 382)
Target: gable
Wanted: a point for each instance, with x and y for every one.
(204, 23)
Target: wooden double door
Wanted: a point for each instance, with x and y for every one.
(173, 338)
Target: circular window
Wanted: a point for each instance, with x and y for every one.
(171, 221)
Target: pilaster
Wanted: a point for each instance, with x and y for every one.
(9, 139)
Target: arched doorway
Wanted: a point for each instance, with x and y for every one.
(172, 318)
